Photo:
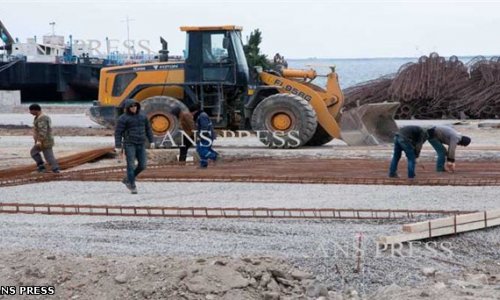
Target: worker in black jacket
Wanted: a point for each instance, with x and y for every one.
(131, 132)
(409, 140)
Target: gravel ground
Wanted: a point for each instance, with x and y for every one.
(325, 248)
(258, 195)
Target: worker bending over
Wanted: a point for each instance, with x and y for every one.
(444, 135)
(408, 139)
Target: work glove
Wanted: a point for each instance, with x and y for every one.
(152, 146)
(450, 167)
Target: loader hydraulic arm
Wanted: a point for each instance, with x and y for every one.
(326, 103)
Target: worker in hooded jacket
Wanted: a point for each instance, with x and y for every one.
(131, 132)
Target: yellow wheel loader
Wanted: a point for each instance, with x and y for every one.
(282, 106)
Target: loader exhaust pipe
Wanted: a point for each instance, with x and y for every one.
(369, 124)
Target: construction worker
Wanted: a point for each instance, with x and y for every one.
(408, 139)
(205, 136)
(131, 131)
(444, 135)
(187, 125)
(44, 141)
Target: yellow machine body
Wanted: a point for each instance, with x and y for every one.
(223, 86)
(327, 103)
(155, 73)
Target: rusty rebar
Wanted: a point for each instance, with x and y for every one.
(218, 212)
(66, 162)
(267, 170)
(435, 88)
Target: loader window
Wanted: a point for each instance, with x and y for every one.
(186, 51)
(239, 51)
(122, 81)
(213, 48)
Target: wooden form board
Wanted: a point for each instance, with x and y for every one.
(451, 221)
(440, 227)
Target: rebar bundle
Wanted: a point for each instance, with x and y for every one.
(480, 98)
(436, 88)
(373, 91)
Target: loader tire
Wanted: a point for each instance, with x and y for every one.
(284, 121)
(165, 125)
(320, 137)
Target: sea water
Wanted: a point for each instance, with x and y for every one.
(356, 70)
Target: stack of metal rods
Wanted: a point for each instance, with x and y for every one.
(434, 88)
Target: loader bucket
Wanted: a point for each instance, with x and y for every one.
(103, 115)
(369, 124)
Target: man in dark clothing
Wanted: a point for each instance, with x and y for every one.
(131, 132)
(187, 125)
(44, 141)
(205, 135)
(409, 140)
(444, 135)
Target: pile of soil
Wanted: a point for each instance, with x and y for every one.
(77, 277)
(88, 277)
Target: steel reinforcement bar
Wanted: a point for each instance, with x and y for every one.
(116, 173)
(218, 212)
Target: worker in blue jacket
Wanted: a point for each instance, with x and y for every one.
(205, 136)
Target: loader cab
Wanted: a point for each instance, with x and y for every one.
(216, 68)
(215, 54)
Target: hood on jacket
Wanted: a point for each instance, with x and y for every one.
(127, 103)
(197, 114)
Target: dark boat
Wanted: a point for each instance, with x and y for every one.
(50, 81)
(52, 70)
(49, 70)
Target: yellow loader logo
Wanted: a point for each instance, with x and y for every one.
(293, 90)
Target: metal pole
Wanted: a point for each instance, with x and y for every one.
(128, 20)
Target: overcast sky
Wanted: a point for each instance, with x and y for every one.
(296, 29)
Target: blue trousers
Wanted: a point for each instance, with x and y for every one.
(402, 145)
(133, 152)
(205, 151)
(441, 153)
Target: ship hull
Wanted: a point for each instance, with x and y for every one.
(40, 81)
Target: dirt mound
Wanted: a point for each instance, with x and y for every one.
(224, 278)
(76, 277)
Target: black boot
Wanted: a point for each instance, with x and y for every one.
(40, 168)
